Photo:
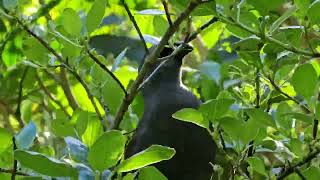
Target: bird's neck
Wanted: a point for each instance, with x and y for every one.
(162, 81)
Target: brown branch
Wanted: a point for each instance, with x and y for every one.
(18, 111)
(150, 60)
(60, 59)
(293, 168)
(67, 90)
(134, 22)
(114, 77)
(47, 92)
(9, 171)
(166, 9)
(201, 28)
(15, 162)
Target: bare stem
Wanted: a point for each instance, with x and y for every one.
(134, 22)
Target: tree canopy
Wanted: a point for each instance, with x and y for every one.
(69, 85)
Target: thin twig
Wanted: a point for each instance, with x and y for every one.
(293, 168)
(277, 88)
(114, 77)
(166, 9)
(67, 89)
(149, 61)
(73, 72)
(268, 38)
(203, 27)
(134, 22)
(9, 171)
(19, 101)
(77, 76)
(47, 92)
(15, 162)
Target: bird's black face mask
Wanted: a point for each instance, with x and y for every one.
(169, 72)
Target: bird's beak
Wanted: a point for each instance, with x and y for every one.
(185, 46)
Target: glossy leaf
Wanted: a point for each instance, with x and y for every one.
(191, 115)
(151, 155)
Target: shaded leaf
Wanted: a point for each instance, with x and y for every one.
(44, 165)
(25, 138)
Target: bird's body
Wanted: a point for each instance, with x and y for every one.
(163, 96)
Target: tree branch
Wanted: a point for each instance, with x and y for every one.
(166, 9)
(150, 60)
(67, 90)
(96, 60)
(47, 92)
(268, 38)
(90, 96)
(277, 88)
(15, 162)
(9, 171)
(201, 28)
(134, 22)
(18, 112)
(293, 168)
(60, 59)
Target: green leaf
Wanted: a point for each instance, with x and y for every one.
(318, 111)
(311, 173)
(25, 138)
(10, 4)
(151, 155)
(257, 165)
(304, 80)
(262, 118)
(283, 122)
(205, 9)
(129, 176)
(191, 115)
(265, 6)
(5, 140)
(92, 132)
(233, 127)
(44, 165)
(301, 117)
(71, 22)
(107, 150)
(160, 24)
(313, 12)
(296, 146)
(107, 87)
(95, 15)
(275, 25)
(303, 6)
(151, 172)
(62, 126)
(35, 51)
(215, 108)
(118, 59)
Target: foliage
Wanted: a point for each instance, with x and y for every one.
(66, 67)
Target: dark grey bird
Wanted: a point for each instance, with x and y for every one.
(164, 95)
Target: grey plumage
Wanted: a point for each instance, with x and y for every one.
(163, 95)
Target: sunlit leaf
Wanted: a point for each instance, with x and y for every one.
(151, 155)
(107, 150)
(191, 115)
